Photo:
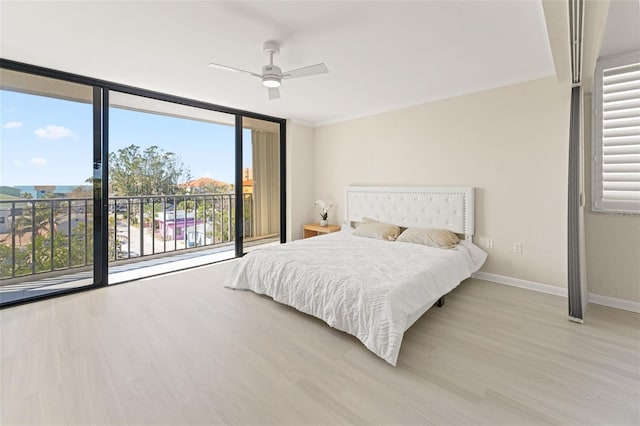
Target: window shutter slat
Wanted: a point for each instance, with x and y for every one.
(621, 105)
(629, 87)
(622, 113)
(621, 150)
(622, 177)
(621, 95)
(621, 159)
(622, 140)
(612, 123)
(624, 72)
(622, 131)
(622, 187)
(622, 195)
(619, 168)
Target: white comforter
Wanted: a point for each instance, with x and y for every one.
(369, 288)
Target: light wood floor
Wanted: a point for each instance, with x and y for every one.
(181, 349)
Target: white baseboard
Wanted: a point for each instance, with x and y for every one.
(612, 302)
(517, 282)
(597, 299)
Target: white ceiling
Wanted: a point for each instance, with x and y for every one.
(622, 33)
(381, 55)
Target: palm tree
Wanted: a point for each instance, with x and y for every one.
(22, 225)
(35, 218)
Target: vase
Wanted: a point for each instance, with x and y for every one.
(324, 222)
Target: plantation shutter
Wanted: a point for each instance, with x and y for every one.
(617, 135)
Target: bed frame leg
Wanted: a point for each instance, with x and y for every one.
(440, 302)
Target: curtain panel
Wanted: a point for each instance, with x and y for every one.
(266, 182)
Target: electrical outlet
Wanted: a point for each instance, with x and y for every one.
(489, 243)
(517, 248)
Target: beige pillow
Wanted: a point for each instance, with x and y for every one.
(378, 230)
(369, 220)
(432, 237)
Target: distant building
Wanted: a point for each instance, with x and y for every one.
(247, 173)
(8, 206)
(247, 186)
(174, 226)
(44, 191)
(9, 191)
(9, 210)
(247, 180)
(5, 218)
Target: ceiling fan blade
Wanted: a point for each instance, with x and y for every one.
(232, 69)
(274, 93)
(306, 71)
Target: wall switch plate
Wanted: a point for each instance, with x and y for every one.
(517, 248)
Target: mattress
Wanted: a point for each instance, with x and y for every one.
(369, 288)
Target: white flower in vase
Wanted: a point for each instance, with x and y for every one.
(324, 211)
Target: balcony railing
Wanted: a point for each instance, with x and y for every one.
(46, 235)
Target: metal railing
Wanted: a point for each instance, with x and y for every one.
(46, 235)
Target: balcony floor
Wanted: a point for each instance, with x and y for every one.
(124, 271)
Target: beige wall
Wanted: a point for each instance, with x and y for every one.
(510, 143)
(612, 242)
(300, 178)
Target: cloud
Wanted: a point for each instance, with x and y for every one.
(18, 163)
(38, 161)
(13, 124)
(54, 132)
(208, 174)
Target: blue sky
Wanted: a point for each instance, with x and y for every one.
(48, 141)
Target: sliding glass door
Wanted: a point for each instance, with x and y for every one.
(171, 186)
(46, 205)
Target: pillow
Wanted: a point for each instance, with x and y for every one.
(432, 237)
(378, 230)
(346, 226)
(369, 220)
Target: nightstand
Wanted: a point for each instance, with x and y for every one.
(314, 229)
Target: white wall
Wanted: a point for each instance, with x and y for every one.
(300, 179)
(510, 143)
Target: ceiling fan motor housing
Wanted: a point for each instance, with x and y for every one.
(271, 75)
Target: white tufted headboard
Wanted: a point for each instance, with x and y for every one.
(425, 207)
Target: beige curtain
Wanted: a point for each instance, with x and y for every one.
(266, 182)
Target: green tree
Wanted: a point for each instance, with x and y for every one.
(5, 261)
(44, 261)
(35, 216)
(81, 192)
(153, 171)
(80, 239)
(38, 215)
(22, 226)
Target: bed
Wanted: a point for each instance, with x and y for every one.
(370, 288)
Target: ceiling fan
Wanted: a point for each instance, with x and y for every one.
(272, 75)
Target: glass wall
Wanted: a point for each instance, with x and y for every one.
(46, 206)
(101, 183)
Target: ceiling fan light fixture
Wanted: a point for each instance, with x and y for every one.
(272, 75)
(270, 82)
